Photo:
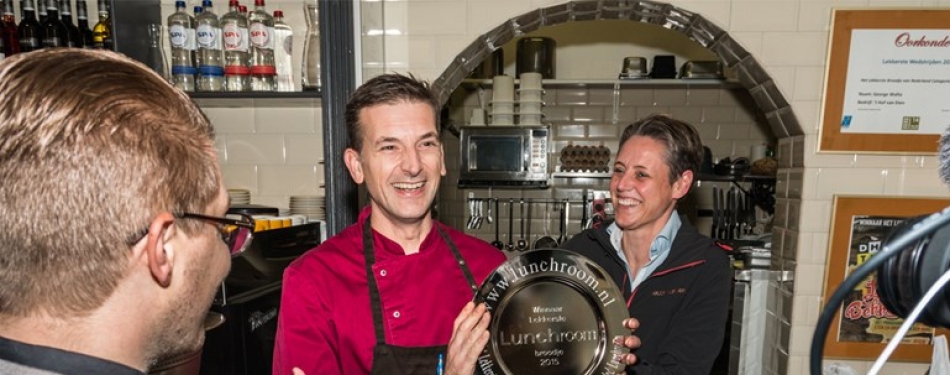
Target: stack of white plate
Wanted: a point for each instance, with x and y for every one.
(313, 206)
(239, 196)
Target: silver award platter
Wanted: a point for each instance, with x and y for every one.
(552, 312)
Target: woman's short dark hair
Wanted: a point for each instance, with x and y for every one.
(684, 148)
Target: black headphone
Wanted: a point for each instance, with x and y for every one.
(903, 279)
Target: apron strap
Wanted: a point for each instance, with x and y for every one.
(370, 256)
(377, 305)
(458, 258)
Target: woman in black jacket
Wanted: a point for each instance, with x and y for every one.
(676, 281)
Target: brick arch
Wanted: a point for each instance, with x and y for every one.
(751, 74)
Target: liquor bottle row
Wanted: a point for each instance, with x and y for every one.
(53, 28)
(238, 51)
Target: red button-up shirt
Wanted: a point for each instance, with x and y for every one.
(325, 324)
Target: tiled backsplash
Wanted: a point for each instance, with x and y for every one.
(595, 115)
(272, 152)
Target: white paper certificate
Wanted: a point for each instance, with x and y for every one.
(898, 82)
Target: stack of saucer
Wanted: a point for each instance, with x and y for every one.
(239, 196)
(313, 206)
(503, 101)
(530, 99)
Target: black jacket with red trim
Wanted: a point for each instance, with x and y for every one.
(682, 306)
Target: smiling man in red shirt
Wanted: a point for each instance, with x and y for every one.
(386, 294)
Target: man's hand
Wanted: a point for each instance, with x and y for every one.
(469, 336)
(630, 342)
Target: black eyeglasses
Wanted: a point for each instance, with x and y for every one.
(236, 233)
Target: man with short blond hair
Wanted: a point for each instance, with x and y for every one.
(109, 183)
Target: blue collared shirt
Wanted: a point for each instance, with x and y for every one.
(659, 248)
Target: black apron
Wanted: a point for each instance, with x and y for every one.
(399, 360)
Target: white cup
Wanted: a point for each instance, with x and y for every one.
(502, 107)
(531, 95)
(529, 108)
(502, 120)
(503, 88)
(478, 117)
(530, 80)
(757, 152)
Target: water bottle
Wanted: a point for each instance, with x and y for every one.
(155, 58)
(181, 36)
(310, 70)
(208, 33)
(261, 29)
(283, 53)
(234, 28)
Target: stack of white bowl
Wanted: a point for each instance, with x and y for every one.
(313, 206)
(239, 196)
(530, 99)
(503, 101)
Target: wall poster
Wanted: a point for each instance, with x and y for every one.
(887, 80)
(863, 326)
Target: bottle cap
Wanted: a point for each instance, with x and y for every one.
(206, 3)
(180, 4)
(210, 70)
(278, 13)
(181, 69)
(259, 3)
(264, 70)
(233, 3)
(243, 9)
(237, 69)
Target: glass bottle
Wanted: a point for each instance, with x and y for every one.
(283, 53)
(310, 70)
(73, 37)
(183, 77)
(29, 29)
(208, 31)
(11, 39)
(155, 58)
(55, 33)
(234, 28)
(82, 19)
(261, 28)
(41, 11)
(102, 32)
(181, 36)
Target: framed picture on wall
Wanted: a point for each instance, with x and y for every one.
(886, 81)
(862, 327)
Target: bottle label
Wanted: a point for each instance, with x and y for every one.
(29, 42)
(178, 36)
(207, 36)
(51, 42)
(190, 44)
(261, 36)
(233, 37)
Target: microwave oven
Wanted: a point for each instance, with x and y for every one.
(504, 156)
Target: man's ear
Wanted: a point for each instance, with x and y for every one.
(159, 249)
(353, 163)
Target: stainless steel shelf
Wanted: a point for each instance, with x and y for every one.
(556, 83)
(309, 98)
(581, 174)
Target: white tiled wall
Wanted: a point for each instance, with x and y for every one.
(274, 152)
(790, 39)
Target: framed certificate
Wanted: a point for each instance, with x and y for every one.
(887, 81)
